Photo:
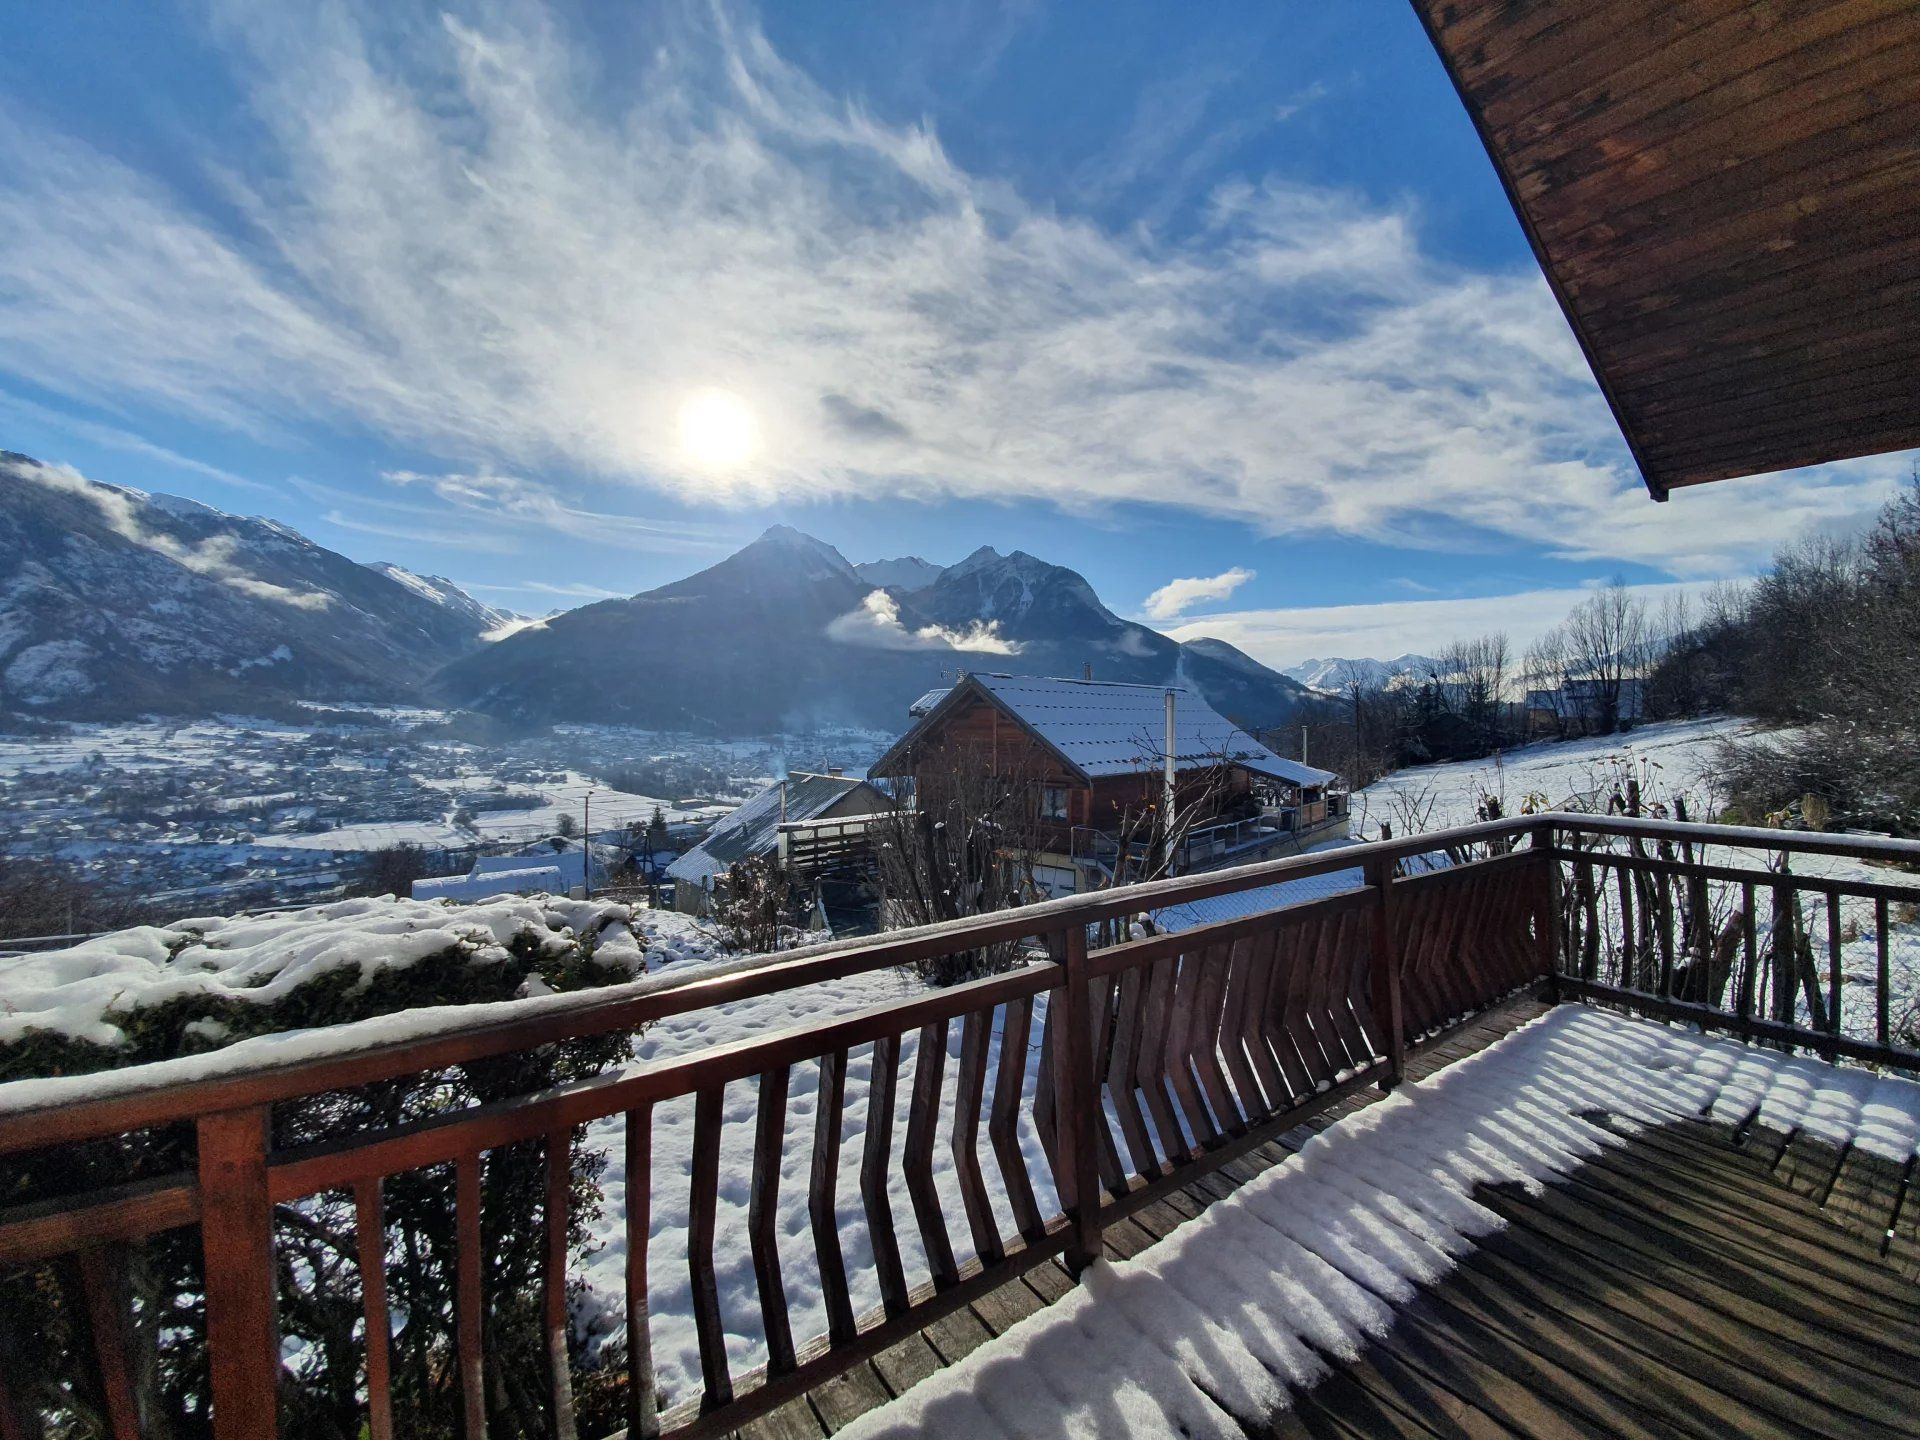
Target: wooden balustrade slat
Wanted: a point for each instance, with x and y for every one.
(1255, 1021)
(1320, 998)
(1184, 1050)
(1298, 1022)
(643, 1409)
(1003, 1128)
(1153, 1067)
(1274, 1033)
(916, 1154)
(1210, 995)
(370, 1250)
(108, 1302)
(823, 1196)
(236, 1241)
(1043, 1078)
(1882, 979)
(469, 1296)
(1384, 969)
(1749, 949)
(558, 1163)
(1834, 953)
(970, 1089)
(1233, 1023)
(1107, 1153)
(703, 1203)
(1122, 1071)
(875, 1165)
(763, 1216)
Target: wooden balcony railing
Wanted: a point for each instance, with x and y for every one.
(1157, 1059)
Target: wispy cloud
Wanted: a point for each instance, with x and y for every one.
(462, 248)
(1282, 637)
(211, 557)
(1176, 597)
(531, 502)
(480, 541)
(876, 624)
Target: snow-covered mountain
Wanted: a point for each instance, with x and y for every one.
(905, 574)
(1337, 672)
(117, 602)
(484, 618)
(786, 633)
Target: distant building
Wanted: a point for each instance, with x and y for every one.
(1579, 705)
(754, 831)
(554, 866)
(1096, 752)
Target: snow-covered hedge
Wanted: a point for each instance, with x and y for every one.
(156, 992)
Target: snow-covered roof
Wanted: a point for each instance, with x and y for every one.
(754, 828)
(1103, 728)
(528, 879)
(927, 701)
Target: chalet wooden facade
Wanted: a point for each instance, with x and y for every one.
(1095, 756)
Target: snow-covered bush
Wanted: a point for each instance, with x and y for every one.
(157, 993)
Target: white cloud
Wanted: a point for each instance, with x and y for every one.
(876, 624)
(212, 557)
(458, 250)
(1284, 637)
(1176, 597)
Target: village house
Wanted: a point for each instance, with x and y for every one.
(765, 827)
(1095, 755)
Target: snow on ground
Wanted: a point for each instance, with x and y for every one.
(1672, 758)
(429, 834)
(1226, 1314)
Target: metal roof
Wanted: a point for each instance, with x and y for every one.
(1102, 728)
(754, 828)
(1721, 196)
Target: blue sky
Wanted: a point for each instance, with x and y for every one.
(568, 302)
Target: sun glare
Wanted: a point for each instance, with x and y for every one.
(717, 429)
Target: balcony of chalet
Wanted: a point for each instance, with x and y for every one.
(1554, 1125)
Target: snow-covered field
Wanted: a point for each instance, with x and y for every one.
(1230, 1311)
(1667, 759)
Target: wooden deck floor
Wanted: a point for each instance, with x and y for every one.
(1696, 1282)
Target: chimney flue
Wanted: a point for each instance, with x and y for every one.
(1086, 670)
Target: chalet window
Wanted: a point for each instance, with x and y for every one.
(1053, 802)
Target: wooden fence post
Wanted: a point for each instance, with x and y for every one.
(1387, 1009)
(1077, 1103)
(236, 1236)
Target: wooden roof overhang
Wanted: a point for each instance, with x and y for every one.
(1725, 198)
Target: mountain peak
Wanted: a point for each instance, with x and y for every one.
(786, 539)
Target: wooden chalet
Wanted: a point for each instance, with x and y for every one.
(1094, 753)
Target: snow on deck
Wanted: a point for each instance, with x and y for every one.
(1230, 1309)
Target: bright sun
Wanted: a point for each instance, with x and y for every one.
(717, 429)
